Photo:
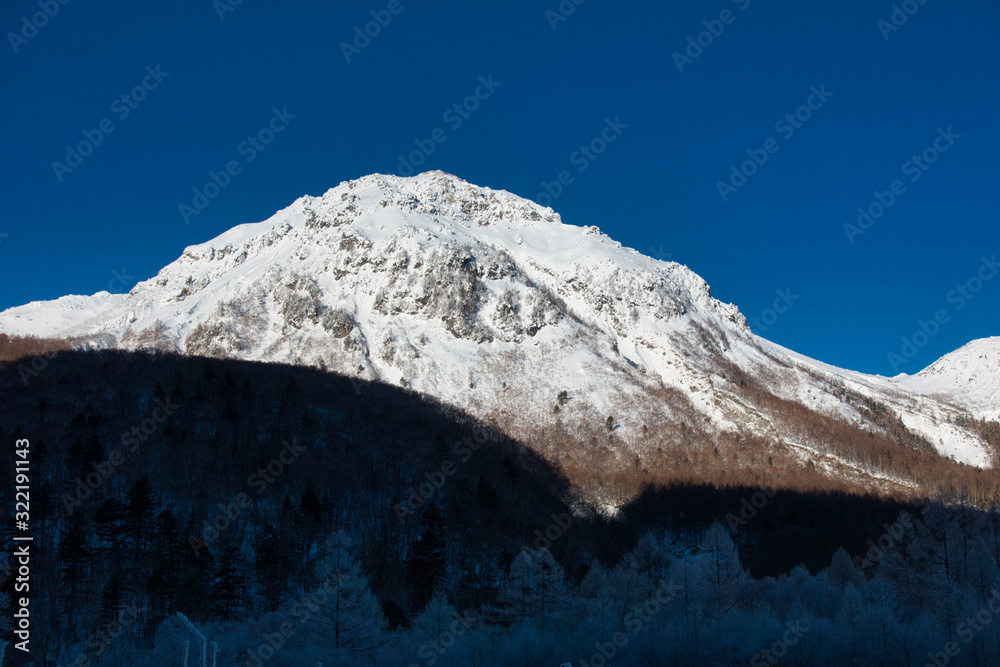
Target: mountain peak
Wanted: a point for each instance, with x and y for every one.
(968, 374)
(467, 293)
(441, 194)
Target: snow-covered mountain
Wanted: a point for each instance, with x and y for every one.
(968, 377)
(489, 302)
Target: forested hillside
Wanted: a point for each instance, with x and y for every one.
(355, 523)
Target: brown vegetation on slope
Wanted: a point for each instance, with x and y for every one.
(13, 348)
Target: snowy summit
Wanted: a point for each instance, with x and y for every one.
(491, 303)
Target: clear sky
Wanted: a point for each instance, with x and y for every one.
(200, 79)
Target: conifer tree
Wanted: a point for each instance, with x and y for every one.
(273, 569)
(229, 583)
(165, 565)
(109, 522)
(347, 615)
(486, 495)
(140, 508)
(74, 556)
(428, 561)
(111, 599)
(535, 587)
(720, 570)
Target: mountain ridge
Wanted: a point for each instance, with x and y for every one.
(489, 302)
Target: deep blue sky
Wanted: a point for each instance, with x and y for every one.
(654, 188)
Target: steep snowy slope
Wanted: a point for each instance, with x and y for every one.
(489, 302)
(935, 414)
(42, 318)
(969, 377)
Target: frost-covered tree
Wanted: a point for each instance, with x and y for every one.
(842, 571)
(647, 565)
(982, 571)
(535, 587)
(436, 617)
(345, 614)
(720, 572)
(936, 566)
(881, 620)
(851, 618)
(439, 633)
